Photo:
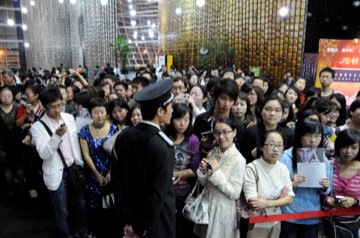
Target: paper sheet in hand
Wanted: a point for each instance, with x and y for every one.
(313, 173)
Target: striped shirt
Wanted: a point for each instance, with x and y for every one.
(349, 187)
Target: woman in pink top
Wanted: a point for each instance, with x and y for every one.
(346, 178)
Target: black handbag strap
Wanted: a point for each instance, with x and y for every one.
(58, 150)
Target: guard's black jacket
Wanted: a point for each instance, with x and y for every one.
(141, 174)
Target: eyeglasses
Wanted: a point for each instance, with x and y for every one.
(314, 136)
(224, 133)
(54, 107)
(273, 146)
(270, 109)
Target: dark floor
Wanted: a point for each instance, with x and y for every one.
(23, 217)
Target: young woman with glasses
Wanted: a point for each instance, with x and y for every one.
(222, 175)
(267, 185)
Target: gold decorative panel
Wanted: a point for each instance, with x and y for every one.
(253, 28)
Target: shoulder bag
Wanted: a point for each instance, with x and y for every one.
(196, 207)
(76, 176)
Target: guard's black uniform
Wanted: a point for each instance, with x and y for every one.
(142, 179)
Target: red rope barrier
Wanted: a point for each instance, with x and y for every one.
(305, 215)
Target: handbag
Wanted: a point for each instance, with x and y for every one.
(196, 207)
(243, 210)
(347, 228)
(108, 201)
(76, 175)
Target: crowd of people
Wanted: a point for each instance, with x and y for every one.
(145, 142)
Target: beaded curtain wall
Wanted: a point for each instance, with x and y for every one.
(254, 28)
(47, 34)
(72, 34)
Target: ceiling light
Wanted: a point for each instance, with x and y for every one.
(153, 25)
(200, 3)
(145, 51)
(24, 27)
(151, 34)
(133, 13)
(104, 2)
(32, 3)
(10, 22)
(178, 11)
(61, 1)
(129, 41)
(356, 3)
(135, 35)
(130, 6)
(129, 1)
(26, 44)
(133, 23)
(24, 10)
(344, 27)
(73, 1)
(142, 37)
(148, 23)
(284, 11)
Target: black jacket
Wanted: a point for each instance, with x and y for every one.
(142, 180)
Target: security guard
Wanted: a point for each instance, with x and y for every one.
(142, 168)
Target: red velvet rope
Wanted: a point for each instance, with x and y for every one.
(305, 215)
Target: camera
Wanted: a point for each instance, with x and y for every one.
(183, 98)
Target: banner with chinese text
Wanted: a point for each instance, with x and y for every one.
(344, 57)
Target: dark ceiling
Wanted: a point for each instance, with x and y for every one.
(331, 19)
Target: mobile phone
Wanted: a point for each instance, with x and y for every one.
(338, 199)
(207, 133)
(208, 166)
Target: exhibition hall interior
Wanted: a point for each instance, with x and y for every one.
(112, 49)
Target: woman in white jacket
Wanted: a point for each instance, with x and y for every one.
(222, 174)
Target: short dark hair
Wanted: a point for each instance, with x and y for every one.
(227, 70)
(354, 105)
(227, 86)
(325, 106)
(346, 138)
(226, 120)
(117, 102)
(328, 69)
(82, 98)
(260, 78)
(181, 79)
(267, 133)
(124, 84)
(97, 102)
(140, 80)
(50, 95)
(263, 139)
(270, 98)
(202, 88)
